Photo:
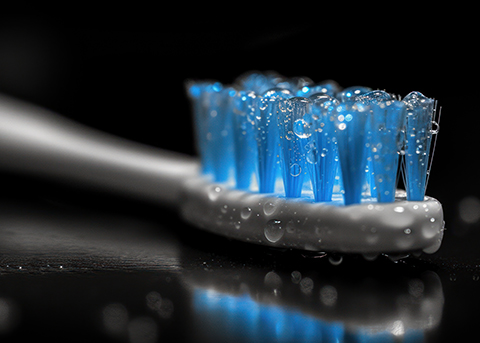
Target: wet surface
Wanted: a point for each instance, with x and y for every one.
(117, 270)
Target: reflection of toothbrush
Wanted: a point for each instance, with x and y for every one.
(33, 140)
(280, 305)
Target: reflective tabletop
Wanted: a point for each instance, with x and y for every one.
(113, 269)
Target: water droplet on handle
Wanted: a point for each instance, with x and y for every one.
(269, 208)
(246, 212)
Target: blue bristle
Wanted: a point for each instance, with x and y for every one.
(321, 151)
(295, 84)
(350, 122)
(294, 130)
(267, 137)
(418, 136)
(199, 97)
(384, 127)
(259, 82)
(350, 94)
(267, 126)
(244, 138)
(213, 119)
(220, 133)
(326, 87)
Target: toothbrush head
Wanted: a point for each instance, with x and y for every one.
(294, 164)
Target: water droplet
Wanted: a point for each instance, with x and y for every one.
(370, 256)
(328, 295)
(335, 260)
(272, 280)
(295, 169)
(238, 225)
(269, 208)
(290, 227)
(273, 230)
(296, 277)
(246, 212)
(214, 192)
(469, 209)
(224, 209)
(306, 285)
(432, 220)
(407, 231)
(311, 155)
(301, 128)
(399, 209)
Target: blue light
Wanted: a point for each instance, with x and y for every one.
(239, 318)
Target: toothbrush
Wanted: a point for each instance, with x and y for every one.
(36, 141)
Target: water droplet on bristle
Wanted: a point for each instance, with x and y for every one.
(301, 128)
(295, 169)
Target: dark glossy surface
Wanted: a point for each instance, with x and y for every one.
(116, 270)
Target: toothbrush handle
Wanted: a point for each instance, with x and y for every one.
(36, 141)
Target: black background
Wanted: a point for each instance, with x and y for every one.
(123, 71)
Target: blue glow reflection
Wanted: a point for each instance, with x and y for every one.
(239, 318)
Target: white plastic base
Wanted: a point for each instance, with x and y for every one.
(369, 228)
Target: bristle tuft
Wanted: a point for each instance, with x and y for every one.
(295, 138)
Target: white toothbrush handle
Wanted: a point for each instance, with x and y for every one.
(36, 141)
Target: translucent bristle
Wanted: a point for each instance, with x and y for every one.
(420, 110)
(268, 139)
(384, 141)
(258, 82)
(292, 137)
(351, 93)
(200, 106)
(328, 87)
(295, 84)
(321, 150)
(350, 122)
(213, 106)
(294, 131)
(244, 108)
